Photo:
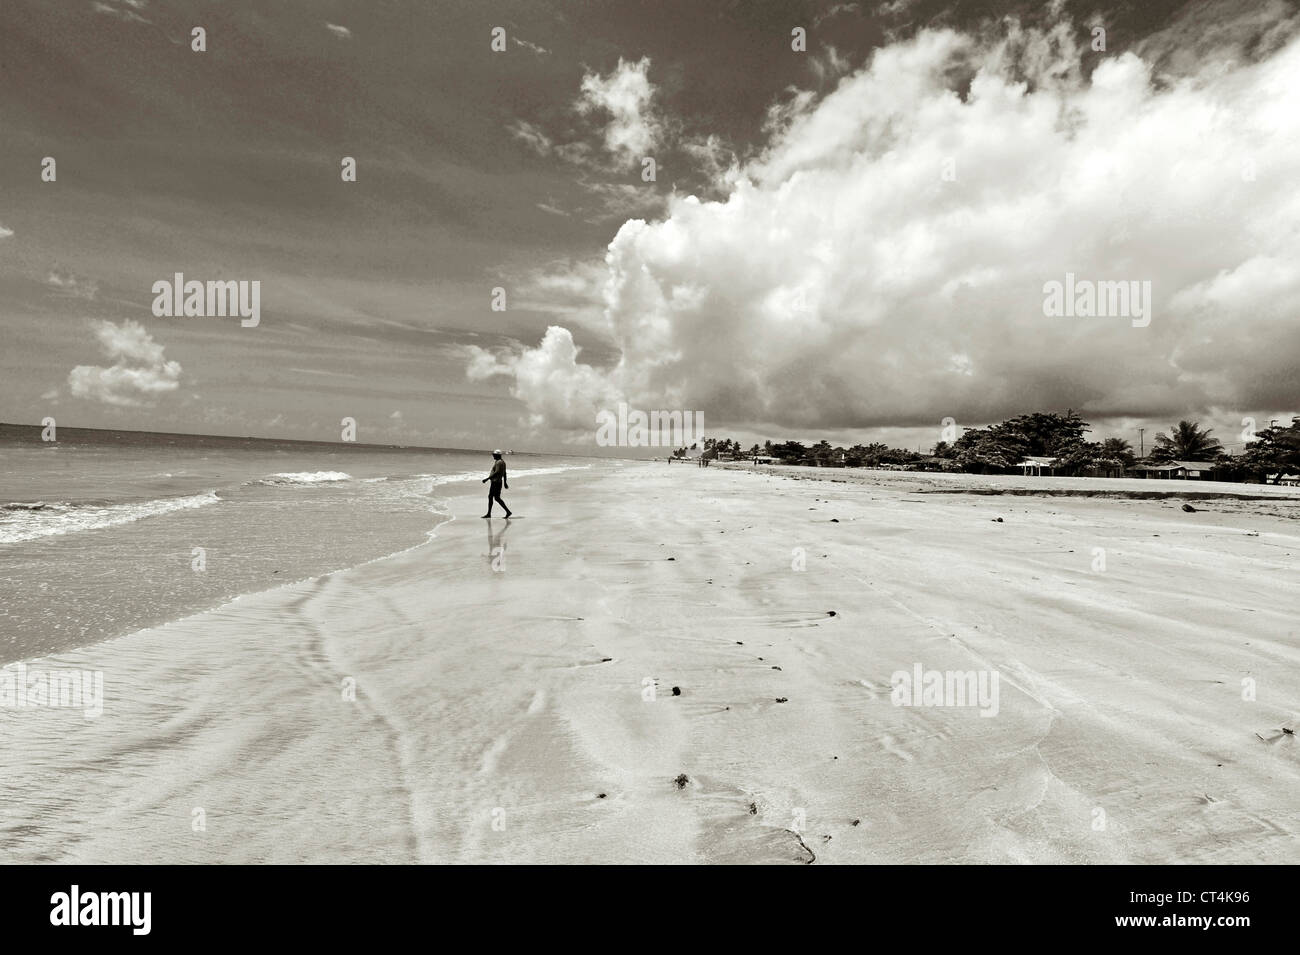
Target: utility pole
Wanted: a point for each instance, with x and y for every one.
(1142, 443)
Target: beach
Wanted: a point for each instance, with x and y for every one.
(694, 665)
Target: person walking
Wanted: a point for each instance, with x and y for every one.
(498, 478)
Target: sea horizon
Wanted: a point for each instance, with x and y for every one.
(70, 433)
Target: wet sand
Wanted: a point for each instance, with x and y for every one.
(502, 713)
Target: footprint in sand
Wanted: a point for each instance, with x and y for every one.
(590, 663)
(890, 745)
(492, 755)
(874, 692)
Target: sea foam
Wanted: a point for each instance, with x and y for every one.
(25, 522)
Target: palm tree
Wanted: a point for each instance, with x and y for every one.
(1186, 442)
(1117, 449)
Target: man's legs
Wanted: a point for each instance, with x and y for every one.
(495, 494)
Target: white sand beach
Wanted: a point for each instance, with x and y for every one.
(501, 713)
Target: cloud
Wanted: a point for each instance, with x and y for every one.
(619, 127)
(539, 142)
(343, 33)
(5, 233)
(605, 200)
(536, 139)
(846, 281)
(565, 286)
(716, 160)
(549, 380)
(829, 65)
(620, 199)
(139, 374)
(128, 15)
(894, 7)
(834, 11)
(69, 283)
(626, 94)
(539, 50)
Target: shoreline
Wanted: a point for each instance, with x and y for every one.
(939, 482)
(516, 695)
(156, 532)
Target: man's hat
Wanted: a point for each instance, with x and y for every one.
(497, 451)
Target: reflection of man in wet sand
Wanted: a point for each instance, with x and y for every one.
(498, 478)
(497, 547)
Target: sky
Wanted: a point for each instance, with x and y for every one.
(848, 241)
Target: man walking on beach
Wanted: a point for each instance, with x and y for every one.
(498, 478)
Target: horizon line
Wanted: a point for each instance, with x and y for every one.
(250, 437)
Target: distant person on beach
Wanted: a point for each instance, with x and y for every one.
(498, 478)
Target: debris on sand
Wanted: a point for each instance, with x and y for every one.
(812, 856)
(682, 780)
(1189, 509)
(677, 691)
(835, 520)
(783, 699)
(857, 822)
(753, 809)
(830, 613)
(600, 795)
(997, 520)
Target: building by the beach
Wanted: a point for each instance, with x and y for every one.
(1184, 470)
(1036, 466)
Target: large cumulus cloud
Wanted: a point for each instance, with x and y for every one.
(846, 282)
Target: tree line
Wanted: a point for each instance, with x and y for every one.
(1002, 446)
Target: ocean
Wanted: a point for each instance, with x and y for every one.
(103, 533)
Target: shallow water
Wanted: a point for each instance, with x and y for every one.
(105, 533)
